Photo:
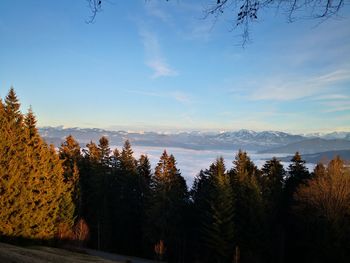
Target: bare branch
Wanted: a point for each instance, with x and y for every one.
(244, 12)
(95, 7)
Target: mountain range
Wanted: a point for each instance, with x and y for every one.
(263, 142)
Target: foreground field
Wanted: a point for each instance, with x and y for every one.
(40, 254)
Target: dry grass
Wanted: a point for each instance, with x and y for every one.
(38, 254)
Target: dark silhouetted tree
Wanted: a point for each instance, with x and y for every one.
(250, 215)
(167, 208)
(218, 229)
(273, 175)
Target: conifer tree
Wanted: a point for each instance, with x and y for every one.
(115, 161)
(273, 180)
(69, 153)
(295, 235)
(105, 152)
(129, 210)
(297, 174)
(12, 108)
(11, 178)
(127, 161)
(104, 215)
(144, 174)
(218, 229)
(250, 215)
(95, 171)
(167, 209)
(272, 190)
(31, 176)
(144, 170)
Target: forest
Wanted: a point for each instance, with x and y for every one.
(106, 199)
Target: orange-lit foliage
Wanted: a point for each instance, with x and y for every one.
(159, 249)
(323, 214)
(32, 185)
(327, 195)
(81, 231)
(64, 232)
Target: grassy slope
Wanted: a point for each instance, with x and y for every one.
(16, 254)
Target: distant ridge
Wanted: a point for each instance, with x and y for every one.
(309, 146)
(263, 141)
(323, 157)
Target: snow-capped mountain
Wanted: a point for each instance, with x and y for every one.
(329, 136)
(244, 139)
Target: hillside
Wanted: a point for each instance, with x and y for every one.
(244, 139)
(310, 146)
(322, 156)
(41, 254)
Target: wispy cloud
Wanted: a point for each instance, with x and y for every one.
(176, 95)
(181, 97)
(160, 68)
(154, 9)
(332, 97)
(286, 88)
(336, 106)
(154, 59)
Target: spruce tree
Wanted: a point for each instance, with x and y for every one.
(69, 153)
(127, 161)
(144, 171)
(250, 215)
(12, 154)
(273, 180)
(31, 176)
(129, 209)
(297, 176)
(218, 229)
(95, 169)
(168, 206)
(144, 174)
(272, 190)
(12, 108)
(105, 152)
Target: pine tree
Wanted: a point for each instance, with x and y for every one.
(105, 152)
(11, 152)
(69, 153)
(273, 180)
(31, 176)
(167, 209)
(218, 229)
(250, 215)
(201, 188)
(297, 174)
(272, 190)
(144, 174)
(144, 171)
(127, 161)
(12, 108)
(95, 169)
(129, 208)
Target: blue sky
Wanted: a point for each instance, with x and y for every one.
(157, 65)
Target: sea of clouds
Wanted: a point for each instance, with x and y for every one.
(190, 162)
